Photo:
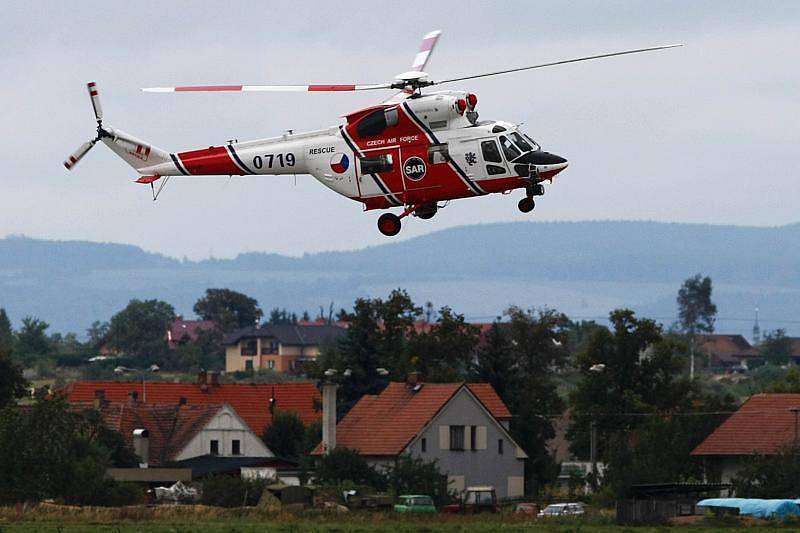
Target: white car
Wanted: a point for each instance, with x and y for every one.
(562, 509)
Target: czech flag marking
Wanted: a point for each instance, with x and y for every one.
(340, 163)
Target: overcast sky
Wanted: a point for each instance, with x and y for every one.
(704, 133)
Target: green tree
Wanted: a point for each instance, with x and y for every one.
(696, 312)
(631, 369)
(445, 352)
(205, 352)
(12, 382)
(139, 330)
(518, 359)
(343, 464)
(414, 475)
(281, 316)
(377, 337)
(770, 476)
(6, 334)
(776, 348)
(32, 338)
(285, 435)
(51, 451)
(97, 334)
(230, 310)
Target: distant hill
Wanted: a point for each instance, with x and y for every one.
(582, 268)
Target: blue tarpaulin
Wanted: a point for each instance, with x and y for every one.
(755, 507)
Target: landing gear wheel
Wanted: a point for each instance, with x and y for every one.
(389, 224)
(526, 205)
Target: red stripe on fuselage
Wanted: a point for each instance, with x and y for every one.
(209, 161)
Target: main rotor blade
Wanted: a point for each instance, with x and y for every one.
(268, 88)
(562, 62)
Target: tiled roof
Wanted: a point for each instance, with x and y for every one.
(725, 348)
(763, 424)
(170, 427)
(296, 335)
(186, 330)
(250, 401)
(384, 424)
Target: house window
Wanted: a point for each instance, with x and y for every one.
(424, 445)
(473, 438)
(457, 438)
(269, 347)
(248, 364)
(249, 347)
(236, 447)
(215, 447)
(271, 364)
(500, 446)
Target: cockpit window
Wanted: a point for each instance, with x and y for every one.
(511, 151)
(521, 142)
(532, 142)
(490, 152)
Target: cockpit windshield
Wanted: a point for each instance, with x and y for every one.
(525, 143)
(517, 144)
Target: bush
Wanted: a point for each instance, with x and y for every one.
(232, 491)
(344, 464)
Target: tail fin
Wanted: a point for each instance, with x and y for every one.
(140, 155)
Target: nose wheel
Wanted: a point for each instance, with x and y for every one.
(526, 205)
(389, 224)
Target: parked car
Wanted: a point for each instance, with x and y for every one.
(414, 503)
(475, 500)
(525, 508)
(562, 509)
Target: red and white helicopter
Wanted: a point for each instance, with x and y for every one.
(412, 151)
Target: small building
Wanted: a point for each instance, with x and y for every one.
(724, 352)
(182, 331)
(254, 403)
(282, 348)
(463, 426)
(765, 424)
(161, 435)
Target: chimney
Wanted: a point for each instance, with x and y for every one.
(133, 397)
(414, 378)
(141, 446)
(99, 398)
(213, 379)
(201, 377)
(328, 417)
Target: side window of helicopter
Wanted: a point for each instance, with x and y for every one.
(376, 164)
(521, 142)
(376, 122)
(490, 152)
(511, 151)
(438, 153)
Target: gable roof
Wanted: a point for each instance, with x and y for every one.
(170, 428)
(291, 334)
(763, 424)
(186, 330)
(250, 401)
(726, 348)
(365, 427)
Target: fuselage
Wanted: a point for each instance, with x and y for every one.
(413, 152)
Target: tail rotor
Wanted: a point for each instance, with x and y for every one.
(83, 149)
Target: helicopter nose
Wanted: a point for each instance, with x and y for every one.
(547, 159)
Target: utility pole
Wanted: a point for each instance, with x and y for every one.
(593, 452)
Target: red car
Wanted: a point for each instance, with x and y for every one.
(475, 500)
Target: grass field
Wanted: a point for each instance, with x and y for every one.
(188, 519)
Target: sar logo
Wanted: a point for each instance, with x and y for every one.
(414, 168)
(340, 163)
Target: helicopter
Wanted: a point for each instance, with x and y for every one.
(414, 151)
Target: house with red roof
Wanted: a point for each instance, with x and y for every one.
(720, 352)
(463, 426)
(164, 434)
(182, 331)
(765, 424)
(254, 403)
